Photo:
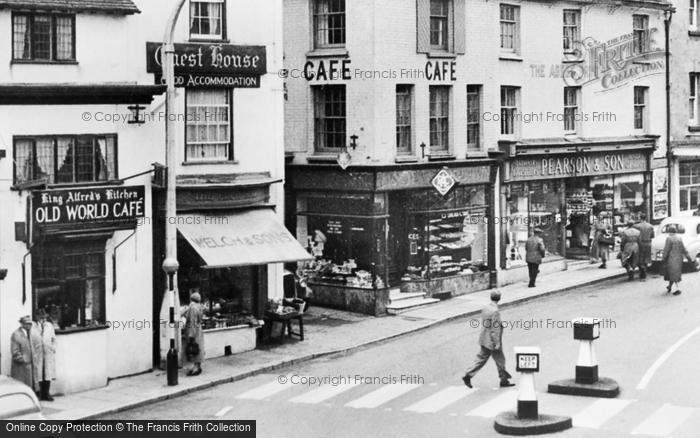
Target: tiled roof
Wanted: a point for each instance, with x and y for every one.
(97, 6)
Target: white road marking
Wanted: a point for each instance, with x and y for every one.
(264, 391)
(322, 393)
(440, 399)
(381, 396)
(660, 361)
(664, 420)
(504, 402)
(223, 412)
(599, 412)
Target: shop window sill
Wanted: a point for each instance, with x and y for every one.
(441, 157)
(325, 158)
(42, 62)
(328, 52)
(694, 128)
(442, 54)
(510, 57)
(39, 184)
(406, 159)
(72, 330)
(208, 162)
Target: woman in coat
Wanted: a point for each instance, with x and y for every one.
(194, 315)
(674, 252)
(25, 346)
(47, 332)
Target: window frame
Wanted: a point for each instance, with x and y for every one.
(75, 137)
(694, 100)
(53, 45)
(407, 93)
(640, 35)
(515, 22)
(315, 42)
(316, 91)
(576, 28)
(209, 37)
(445, 19)
(515, 127)
(569, 106)
(643, 107)
(475, 90)
(440, 149)
(230, 148)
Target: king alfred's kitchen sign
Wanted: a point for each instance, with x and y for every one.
(211, 65)
(117, 207)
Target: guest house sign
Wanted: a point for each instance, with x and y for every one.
(211, 65)
(581, 165)
(119, 207)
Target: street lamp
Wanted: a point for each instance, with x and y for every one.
(170, 264)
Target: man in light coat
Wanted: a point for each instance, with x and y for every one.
(25, 346)
(490, 341)
(646, 234)
(534, 252)
(47, 333)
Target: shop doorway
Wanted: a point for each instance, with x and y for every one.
(579, 208)
(397, 242)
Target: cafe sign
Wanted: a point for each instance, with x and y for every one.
(578, 165)
(71, 207)
(211, 64)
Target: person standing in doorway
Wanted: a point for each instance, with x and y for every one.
(47, 332)
(491, 343)
(674, 252)
(629, 245)
(534, 252)
(25, 346)
(646, 234)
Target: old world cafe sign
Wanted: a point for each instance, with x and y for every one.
(211, 65)
(119, 206)
(557, 167)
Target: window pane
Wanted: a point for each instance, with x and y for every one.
(24, 161)
(65, 160)
(329, 22)
(42, 37)
(45, 159)
(329, 117)
(22, 41)
(403, 118)
(64, 38)
(208, 124)
(85, 159)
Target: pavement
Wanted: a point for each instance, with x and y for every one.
(327, 332)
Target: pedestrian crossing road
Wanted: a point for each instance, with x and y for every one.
(620, 416)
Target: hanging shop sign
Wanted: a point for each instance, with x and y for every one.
(578, 165)
(117, 206)
(443, 182)
(211, 64)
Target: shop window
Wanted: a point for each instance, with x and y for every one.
(439, 19)
(207, 19)
(510, 28)
(208, 129)
(69, 283)
(640, 107)
(43, 37)
(693, 100)
(572, 30)
(640, 33)
(329, 23)
(509, 110)
(689, 186)
(473, 118)
(439, 118)
(65, 159)
(329, 118)
(404, 119)
(572, 97)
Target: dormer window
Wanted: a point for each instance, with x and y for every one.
(207, 19)
(43, 37)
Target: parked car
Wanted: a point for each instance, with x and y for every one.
(688, 229)
(18, 401)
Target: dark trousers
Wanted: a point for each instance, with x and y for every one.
(483, 356)
(533, 269)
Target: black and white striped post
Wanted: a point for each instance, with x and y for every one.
(527, 362)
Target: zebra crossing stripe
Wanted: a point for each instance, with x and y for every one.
(223, 411)
(382, 395)
(441, 399)
(322, 393)
(264, 391)
(599, 412)
(664, 420)
(504, 402)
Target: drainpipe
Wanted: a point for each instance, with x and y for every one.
(668, 15)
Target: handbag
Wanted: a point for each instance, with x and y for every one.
(192, 348)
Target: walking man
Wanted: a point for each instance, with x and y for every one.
(491, 343)
(534, 251)
(629, 245)
(646, 234)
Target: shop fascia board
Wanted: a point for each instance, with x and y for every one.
(583, 147)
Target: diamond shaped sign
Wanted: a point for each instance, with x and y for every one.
(443, 181)
(344, 160)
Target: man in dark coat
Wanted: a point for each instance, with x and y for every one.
(534, 252)
(629, 245)
(26, 349)
(490, 341)
(646, 234)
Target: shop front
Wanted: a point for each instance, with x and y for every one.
(564, 191)
(373, 229)
(228, 239)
